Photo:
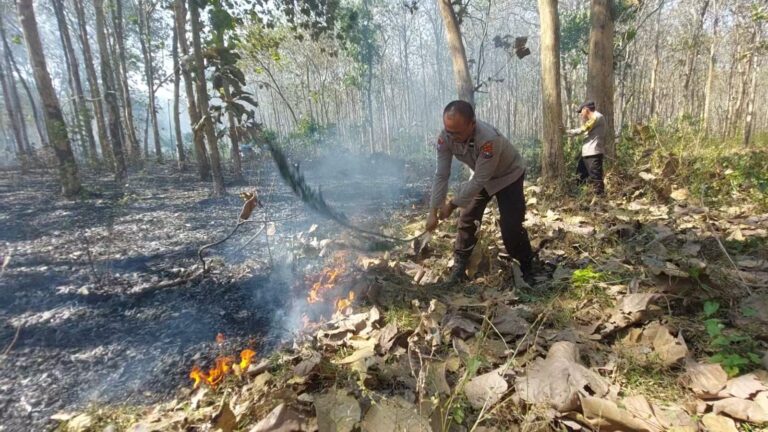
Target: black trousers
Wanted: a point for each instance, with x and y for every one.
(590, 171)
(511, 202)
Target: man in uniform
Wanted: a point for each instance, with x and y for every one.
(498, 171)
(590, 167)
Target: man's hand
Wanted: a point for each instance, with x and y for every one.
(432, 220)
(573, 132)
(446, 210)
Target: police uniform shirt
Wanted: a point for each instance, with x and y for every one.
(495, 162)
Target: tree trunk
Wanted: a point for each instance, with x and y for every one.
(461, 72)
(552, 163)
(83, 114)
(600, 67)
(752, 90)
(13, 110)
(107, 79)
(690, 61)
(54, 120)
(149, 73)
(710, 72)
(203, 165)
(180, 157)
(122, 82)
(202, 102)
(12, 67)
(656, 64)
(93, 82)
(234, 149)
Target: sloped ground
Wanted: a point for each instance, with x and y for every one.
(648, 313)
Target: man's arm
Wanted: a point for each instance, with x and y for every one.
(484, 169)
(442, 174)
(586, 127)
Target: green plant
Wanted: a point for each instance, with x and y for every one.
(731, 349)
(585, 283)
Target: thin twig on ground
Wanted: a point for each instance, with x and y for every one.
(13, 341)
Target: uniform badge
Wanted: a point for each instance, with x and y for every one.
(487, 150)
(440, 143)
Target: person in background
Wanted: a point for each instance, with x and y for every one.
(590, 168)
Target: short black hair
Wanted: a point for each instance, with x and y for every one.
(588, 104)
(463, 108)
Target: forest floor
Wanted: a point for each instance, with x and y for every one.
(650, 312)
(101, 300)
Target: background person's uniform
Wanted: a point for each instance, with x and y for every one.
(590, 166)
(498, 171)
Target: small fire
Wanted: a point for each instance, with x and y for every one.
(344, 303)
(223, 366)
(325, 283)
(245, 358)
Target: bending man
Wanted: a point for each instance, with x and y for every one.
(498, 171)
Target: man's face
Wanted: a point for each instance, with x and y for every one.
(457, 127)
(584, 114)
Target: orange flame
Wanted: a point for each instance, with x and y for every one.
(223, 366)
(344, 303)
(325, 283)
(245, 358)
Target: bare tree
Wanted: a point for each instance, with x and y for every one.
(552, 163)
(82, 114)
(180, 157)
(202, 102)
(121, 80)
(203, 164)
(93, 82)
(54, 120)
(600, 67)
(110, 98)
(461, 73)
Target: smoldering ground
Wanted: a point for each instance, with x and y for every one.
(80, 281)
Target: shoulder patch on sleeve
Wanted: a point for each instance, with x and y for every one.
(486, 151)
(440, 143)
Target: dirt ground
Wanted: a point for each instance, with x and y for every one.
(82, 282)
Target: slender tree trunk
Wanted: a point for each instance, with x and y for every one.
(461, 74)
(121, 74)
(12, 110)
(12, 67)
(234, 140)
(693, 53)
(93, 82)
(18, 113)
(656, 64)
(552, 162)
(750, 111)
(146, 49)
(735, 64)
(180, 157)
(83, 114)
(600, 67)
(54, 120)
(203, 164)
(710, 72)
(107, 79)
(202, 102)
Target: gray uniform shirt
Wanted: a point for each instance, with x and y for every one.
(595, 128)
(495, 163)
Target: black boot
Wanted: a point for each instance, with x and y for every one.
(459, 269)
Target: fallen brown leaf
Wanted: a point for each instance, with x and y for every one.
(336, 412)
(486, 389)
(559, 379)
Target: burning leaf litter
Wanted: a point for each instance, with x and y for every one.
(499, 354)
